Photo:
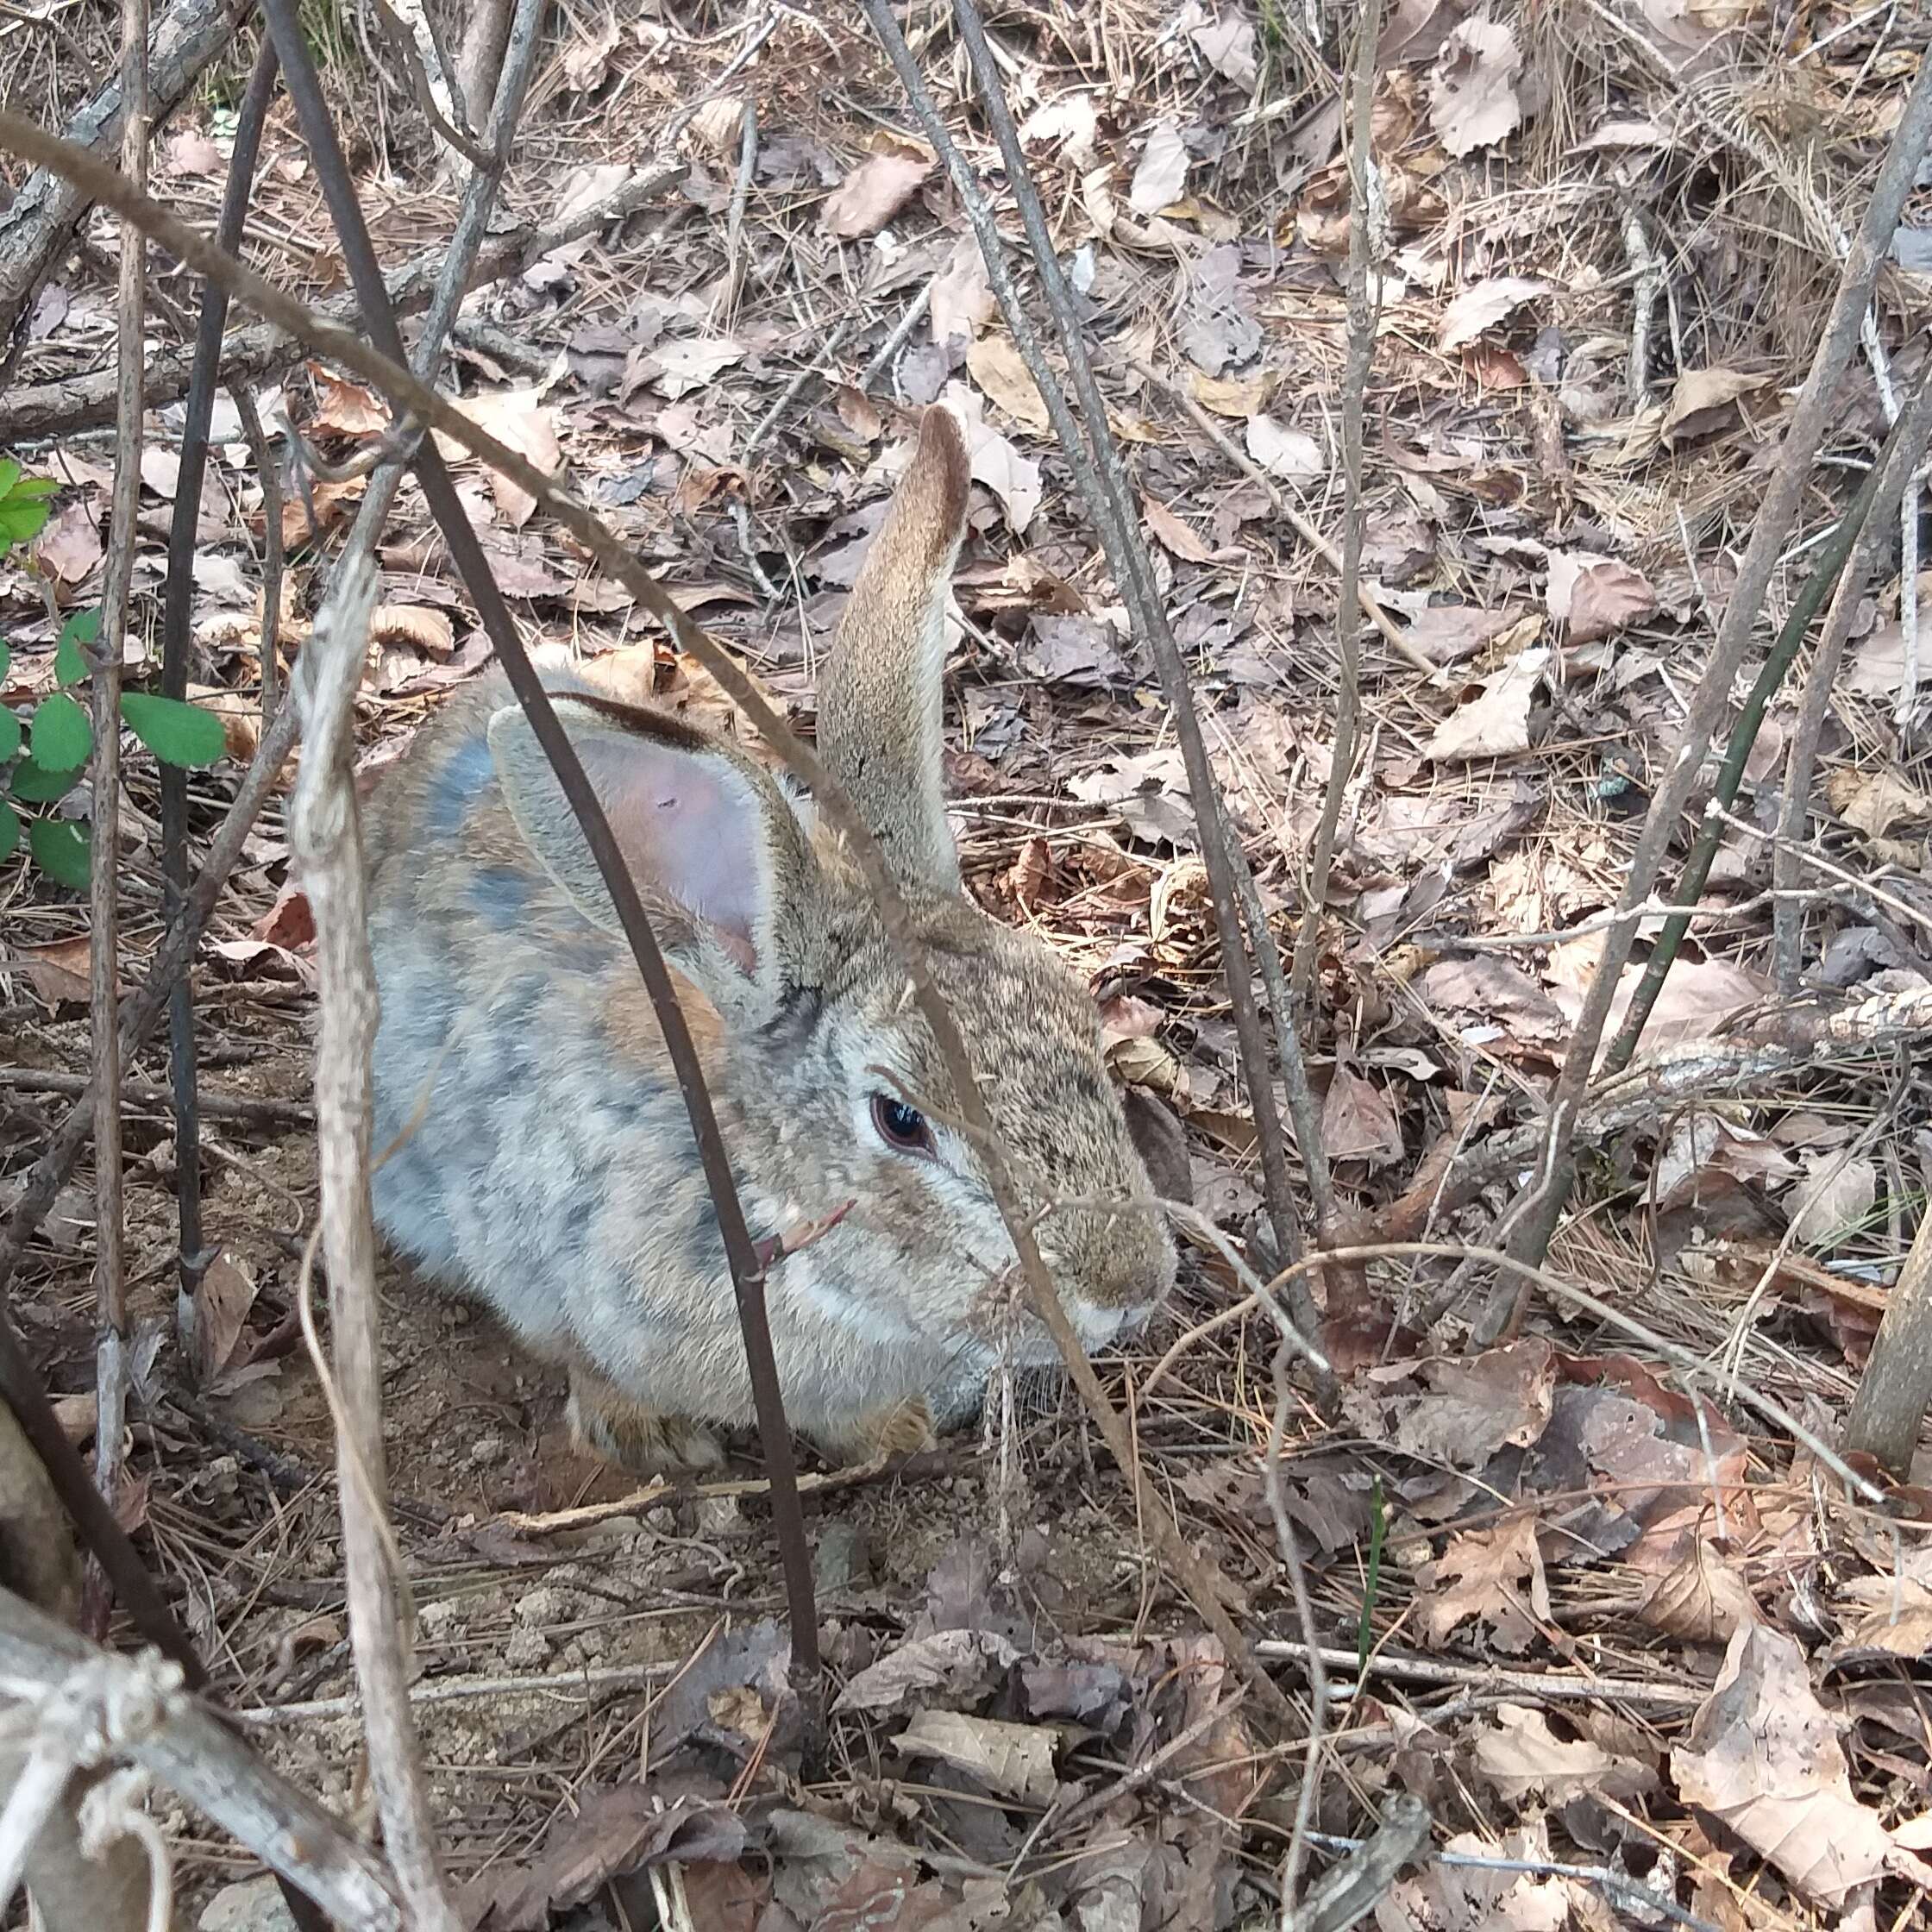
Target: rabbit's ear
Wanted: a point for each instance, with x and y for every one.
(720, 860)
(879, 699)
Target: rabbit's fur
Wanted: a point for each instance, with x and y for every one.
(543, 1159)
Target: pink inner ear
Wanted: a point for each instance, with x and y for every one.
(690, 830)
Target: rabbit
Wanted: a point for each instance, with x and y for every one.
(539, 1156)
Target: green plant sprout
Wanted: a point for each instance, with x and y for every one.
(48, 757)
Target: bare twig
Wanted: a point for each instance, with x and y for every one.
(1104, 487)
(191, 1262)
(1873, 504)
(36, 226)
(1197, 1576)
(1896, 1386)
(1352, 1889)
(268, 474)
(1533, 1220)
(112, 1366)
(325, 839)
(142, 1714)
(50, 408)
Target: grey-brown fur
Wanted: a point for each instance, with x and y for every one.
(544, 1162)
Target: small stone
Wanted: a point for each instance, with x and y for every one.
(527, 1650)
(487, 1451)
(255, 1905)
(841, 1563)
(540, 1606)
(718, 1515)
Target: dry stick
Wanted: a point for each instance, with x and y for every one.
(1787, 857)
(1198, 1577)
(1532, 1219)
(137, 1094)
(1875, 503)
(133, 1588)
(268, 474)
(190, 1263)
(1393, 634)
(1104, 487)
(111, 1354)
(747, 1268)
(188, 1748)
(325, 840)
(1363, 306)
(1897, 1385)
(51, 409)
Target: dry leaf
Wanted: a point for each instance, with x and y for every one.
(1489, 1574)
(1012, 478)
(1495, 725)
(1284, 452)
(1163, 173)
(995, 364)
(962, 299)
(60, 972)
(1014, 1759)
(192, 153)
(1227, 45)
(521, 420)
(1595, 597)
(1173, 535)
(586, 59)
(1472, 90)
(223, 1298)
(693, 363)
(1237, 396)
(1358, 1123)
(1705, 399)
(1703, 1600)
(1520, 1754)
(1483, 305)
(1764, 1756)
(1072, 120)
(1833, 1200)
(70, 546)
(1875, 801)
(873, 192)
(343, 408)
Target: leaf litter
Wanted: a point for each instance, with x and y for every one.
(1030, 1730)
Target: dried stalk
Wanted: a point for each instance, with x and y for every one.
(1875, 503)
(1198, 1577)
(1533, 1220)
(189, 1261)
(189, 1749)
(325, 840)
(1103, 487)
(112, 1357)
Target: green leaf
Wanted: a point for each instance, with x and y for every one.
(6, 660)
(9, 734)
(9, 475)
(84, 627)
(62, 736)
(23, 504)
(10, 830)
(34, 784)
(177, 733)
(59, 848)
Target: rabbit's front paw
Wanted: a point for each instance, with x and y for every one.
(903, 1428)
(606, 1423)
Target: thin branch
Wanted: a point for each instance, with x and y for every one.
(190, 1749)
(112, 1357)
(325, 839)
(1197, 1576)
(1873, 508)
(1533, 1221)
(1104, 487)
(190, 1263)
(268, 474)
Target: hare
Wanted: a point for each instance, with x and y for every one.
(540, 1157)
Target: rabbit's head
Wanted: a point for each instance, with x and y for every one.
(826, 1077)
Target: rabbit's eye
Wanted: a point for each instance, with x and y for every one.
(899, 1126)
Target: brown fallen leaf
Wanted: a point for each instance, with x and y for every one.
(961, 303)
(1595, 597)
(70, 546)
(521, 420)
(873, 192)
(1703, 1600)
(1703, 400)
(289, 922)
(1173, 535)
(1763, 1756)
(1522, 1757)
(1162, 172)
(996, 364)
(1483, 305)
(224, 1297)
(1875, 801)
(1494, 724)
(1358, 1123)
(1016, 1760)
(1472, 90)
(1493, 1575)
